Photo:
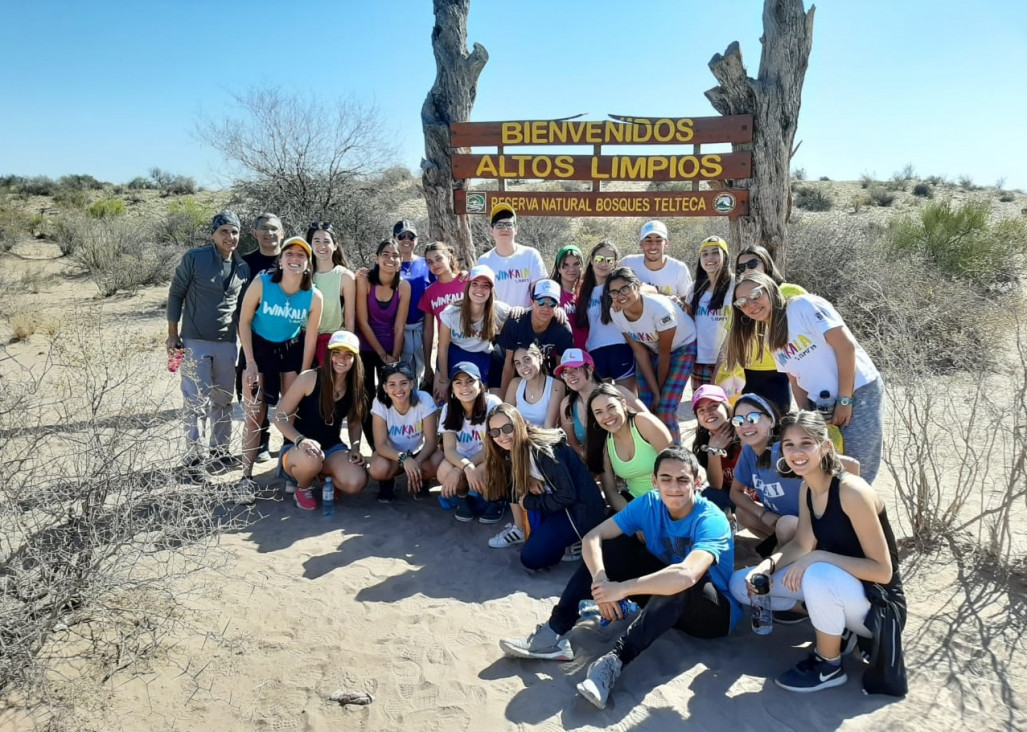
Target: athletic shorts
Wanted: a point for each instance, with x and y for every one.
(615, 362)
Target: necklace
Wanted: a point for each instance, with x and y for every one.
(533, 397)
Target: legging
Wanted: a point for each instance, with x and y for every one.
(373, 366)
(864, 437)
(665, 404)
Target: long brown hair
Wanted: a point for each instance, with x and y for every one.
(509, 473)
(489, 331)
(588, 283)
(745, 330)
(762, 254)
(595, 435)
(813, 425)
(338, 258)
(354, 387)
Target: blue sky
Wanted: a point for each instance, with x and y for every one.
(115, 88)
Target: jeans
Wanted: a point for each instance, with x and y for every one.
(549, 538)
(208, 376)
(700, 611)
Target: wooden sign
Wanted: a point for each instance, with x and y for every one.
(623, 130)
(710, 166)
(629, 203)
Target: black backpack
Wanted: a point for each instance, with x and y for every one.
(885, 620)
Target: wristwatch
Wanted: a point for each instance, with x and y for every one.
(845, 401)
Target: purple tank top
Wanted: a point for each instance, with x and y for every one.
(382, 319)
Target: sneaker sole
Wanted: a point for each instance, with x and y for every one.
(520, 653)
(304, 508)
(505, 545)
(587, 689)
(484, 520)
(829, 684)
(463, 519)
(791, 621)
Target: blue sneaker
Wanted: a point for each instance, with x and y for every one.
(492, 513)
(464, 512)
(812, 674)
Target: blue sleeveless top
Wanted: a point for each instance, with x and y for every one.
(280, 317)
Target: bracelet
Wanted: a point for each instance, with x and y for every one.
(299, 440)
(718, 451)
(845, 401)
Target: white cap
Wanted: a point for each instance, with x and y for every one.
(482, 270)
(546, 288)
(654, 227)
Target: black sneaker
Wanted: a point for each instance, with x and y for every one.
(387, 491)
(464, 512)
(493, 512)
(812, 674)
(193, 472)
(221, 463)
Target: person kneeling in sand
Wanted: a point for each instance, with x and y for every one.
(680, 574)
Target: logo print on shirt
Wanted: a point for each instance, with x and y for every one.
(288, 312)
(797, 349)
(519, 275)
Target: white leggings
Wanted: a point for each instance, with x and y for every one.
(834, 598)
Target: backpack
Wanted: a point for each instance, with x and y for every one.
(885, 620)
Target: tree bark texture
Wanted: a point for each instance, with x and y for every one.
(450, 99)
(774, 99)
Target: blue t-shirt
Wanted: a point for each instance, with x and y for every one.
(705, 528)
(554, 340)
(780, 495)
(419, 276)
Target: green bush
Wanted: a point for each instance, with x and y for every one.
(813, 199)
(106, 208)
(964, 242)
(881, 196)
(922, 190)
(141, 184)
(38, 185)
(187, 224)
(71, 197)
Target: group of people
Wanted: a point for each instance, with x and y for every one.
(556, 395)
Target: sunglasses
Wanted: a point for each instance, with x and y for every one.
(322, 225)
(545, 302)
(503, 225)
(751, 264)
(398, 368)
(601, 259)
(755, 295)
(751, 418)
(506, 429)
(406, 236)
(622, 291)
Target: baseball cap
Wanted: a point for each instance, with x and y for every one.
(465, 367)
(572, 359)
(482, 270)
(546, 288)
(711, 392)
(345, 340)
(502, 211)
(402, 226)
(713, 241)
(654, 227)
(297, 241)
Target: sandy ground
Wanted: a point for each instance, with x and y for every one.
(406, 603)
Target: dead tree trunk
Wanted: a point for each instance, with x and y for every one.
(450, 99)
(773, 98)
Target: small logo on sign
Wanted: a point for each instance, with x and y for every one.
(722, 204)
(475, 203)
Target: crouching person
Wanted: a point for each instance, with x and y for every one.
(680, 574)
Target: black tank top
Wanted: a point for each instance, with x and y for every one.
(311, 424)
(834, 531)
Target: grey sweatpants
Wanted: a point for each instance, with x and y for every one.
(208, 380)
(864, 437)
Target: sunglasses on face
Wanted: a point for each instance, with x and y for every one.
(601, 259)
(406, 236)
(545, 302)
(751, 418)
(755, 295)
(751, 264)
(622, 291)
(506, 429)
(322, 225)
(503, 225)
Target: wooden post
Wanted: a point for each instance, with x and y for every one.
(450, 99)
(774, 99)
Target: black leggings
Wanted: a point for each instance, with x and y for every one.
(373, 367)
(700, 611)
(771, 385)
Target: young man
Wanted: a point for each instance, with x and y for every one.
(269, 233)
(538, 325)
(204, 295)
(516, 266)
(668, 275)
(684, 567)
(413, 269)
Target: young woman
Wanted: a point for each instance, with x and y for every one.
(567, 273)
(622, 444)
(547, 479)
(579, 376)
(463, 447)
(662, 338)
(317, 403)
(709, 304)
(614, 359)
(383, 299)
(535, 393)
(844, 545)
(335, 281)
(761, 374)
(276, 308)
(809, 341)
(469, 327)
(447, 288)
(715, 446)
(403, 419)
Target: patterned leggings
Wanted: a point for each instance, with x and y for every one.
(665, 404)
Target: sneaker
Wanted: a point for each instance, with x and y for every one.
(851, 644)
(509, 536)
(464, 512)
(812, 674)
(789, 617)
(386, 492)
(245, 492)
(572, 553)
(493, 512)
(222, 462)
(421, 494)
(263, 456)
(193, 472)
(544, 643)
(290, 486)
(601, 676)
(304, 498)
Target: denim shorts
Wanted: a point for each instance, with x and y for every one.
(288, 446)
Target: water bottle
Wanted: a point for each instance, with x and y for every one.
(328, 498)
(175, 361)
(825, 405)
(759, 601)
(589, 609)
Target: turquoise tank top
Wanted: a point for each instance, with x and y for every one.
(280, 317)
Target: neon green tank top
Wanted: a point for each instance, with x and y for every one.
(638, 470)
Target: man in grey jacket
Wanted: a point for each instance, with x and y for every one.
(204, 295)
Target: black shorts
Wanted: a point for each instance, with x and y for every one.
(274, 359)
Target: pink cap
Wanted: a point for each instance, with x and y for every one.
(711, 392)
(572, 359)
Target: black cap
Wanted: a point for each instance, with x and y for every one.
(402, 226)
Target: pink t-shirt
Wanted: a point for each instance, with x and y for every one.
(440, 294)
(569, 303)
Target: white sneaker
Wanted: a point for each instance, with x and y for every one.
(572, 553)
(602, 675)
(244, 492)
(509, 536)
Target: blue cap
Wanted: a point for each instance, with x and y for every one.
(465, 367)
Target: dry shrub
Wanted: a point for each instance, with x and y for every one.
(120, 255)
(15, 224)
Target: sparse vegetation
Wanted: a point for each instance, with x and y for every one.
(880, 196)
(106, 208)
(922, 190)
(813, 199)
(966, 183)
(170, 184)
(1006, 197)
(799, 174)
(859, 202)
(866, 180)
